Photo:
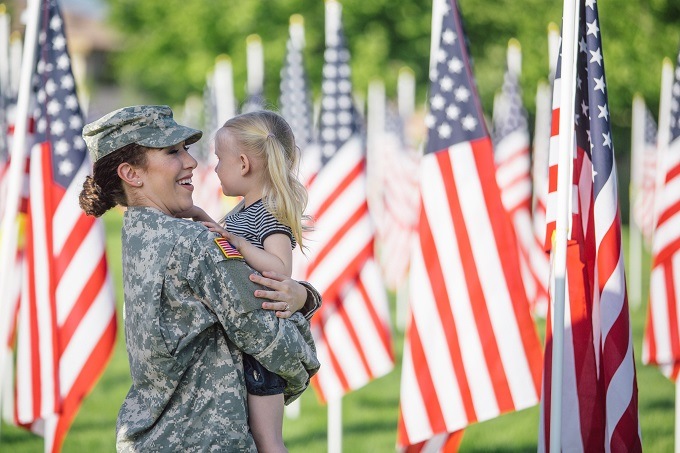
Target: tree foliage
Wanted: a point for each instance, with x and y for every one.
(170, 45)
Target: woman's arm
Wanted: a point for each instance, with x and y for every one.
(226, 286)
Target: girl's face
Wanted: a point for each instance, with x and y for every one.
(166, 180)
(230, 164)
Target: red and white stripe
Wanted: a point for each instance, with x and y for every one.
(471, 329)
(662, 335)
(67, 321)
(643, 207)
(352, 331)
(513, 174)
(401, 201)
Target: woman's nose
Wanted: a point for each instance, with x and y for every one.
(189, 160)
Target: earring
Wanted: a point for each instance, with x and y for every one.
(139, 183)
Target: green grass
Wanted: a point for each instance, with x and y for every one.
(369, 414)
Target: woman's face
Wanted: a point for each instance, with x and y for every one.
(166, 180)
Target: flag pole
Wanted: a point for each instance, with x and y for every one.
(9, 227)
(634, 232)
(15, 49)
(375, 163)
(563, 218)
(332, 26)
(255, 64)
(335, 424)
(406, 101)
(223, 81)
(4, 51)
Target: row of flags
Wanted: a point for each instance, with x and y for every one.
(462, 221)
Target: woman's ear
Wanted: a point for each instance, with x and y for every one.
(245, 164)
(129, 174)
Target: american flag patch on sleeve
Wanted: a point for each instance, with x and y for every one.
(229, 250)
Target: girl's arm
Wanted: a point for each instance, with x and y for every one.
(195, 213)
(277, 255)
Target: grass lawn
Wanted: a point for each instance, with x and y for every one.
(369, 414)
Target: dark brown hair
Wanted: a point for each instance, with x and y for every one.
(104, 189)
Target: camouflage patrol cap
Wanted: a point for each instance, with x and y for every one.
(147, 125)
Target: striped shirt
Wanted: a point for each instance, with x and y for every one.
(254, 223)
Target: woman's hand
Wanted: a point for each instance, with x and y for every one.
(287, 295)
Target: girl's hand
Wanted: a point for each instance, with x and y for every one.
(194, 213)
(287, 296)
(216, 228)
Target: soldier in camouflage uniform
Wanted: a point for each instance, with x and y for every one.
(190, 301)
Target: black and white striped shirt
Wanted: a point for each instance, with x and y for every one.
(255, 224)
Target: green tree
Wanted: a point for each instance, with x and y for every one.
(170, 45)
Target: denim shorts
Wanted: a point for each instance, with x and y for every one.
(259, 380)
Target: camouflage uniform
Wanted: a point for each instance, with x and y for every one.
(189, 312)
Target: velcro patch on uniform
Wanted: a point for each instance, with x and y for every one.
(229, 250)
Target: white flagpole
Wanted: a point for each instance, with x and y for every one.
(223, 81)
(9, 224)
(335, 424)
(15, 50)
(634, 232)
(570, 19)
(375, 162)
(406, 102)
(553, 48)
(406, 93)
(332, 24)
(255, 64)
(4, 51)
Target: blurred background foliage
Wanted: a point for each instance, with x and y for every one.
(170, 45)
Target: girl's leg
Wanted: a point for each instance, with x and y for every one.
(265, 417)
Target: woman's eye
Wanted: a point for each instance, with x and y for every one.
(186, 147)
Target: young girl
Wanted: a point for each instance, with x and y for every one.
(258, 160)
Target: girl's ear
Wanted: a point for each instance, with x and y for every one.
(129, 174)
(245, 164)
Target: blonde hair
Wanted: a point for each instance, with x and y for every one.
(268, 137)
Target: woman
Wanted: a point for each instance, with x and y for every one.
(191, 304)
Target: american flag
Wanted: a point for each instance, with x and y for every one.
(471, 350)
(67, 319)
(296, 99)
(644, 188)
(513, 174)
(599, 399)
(352, 329)
(400, 200)
(662, 343)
